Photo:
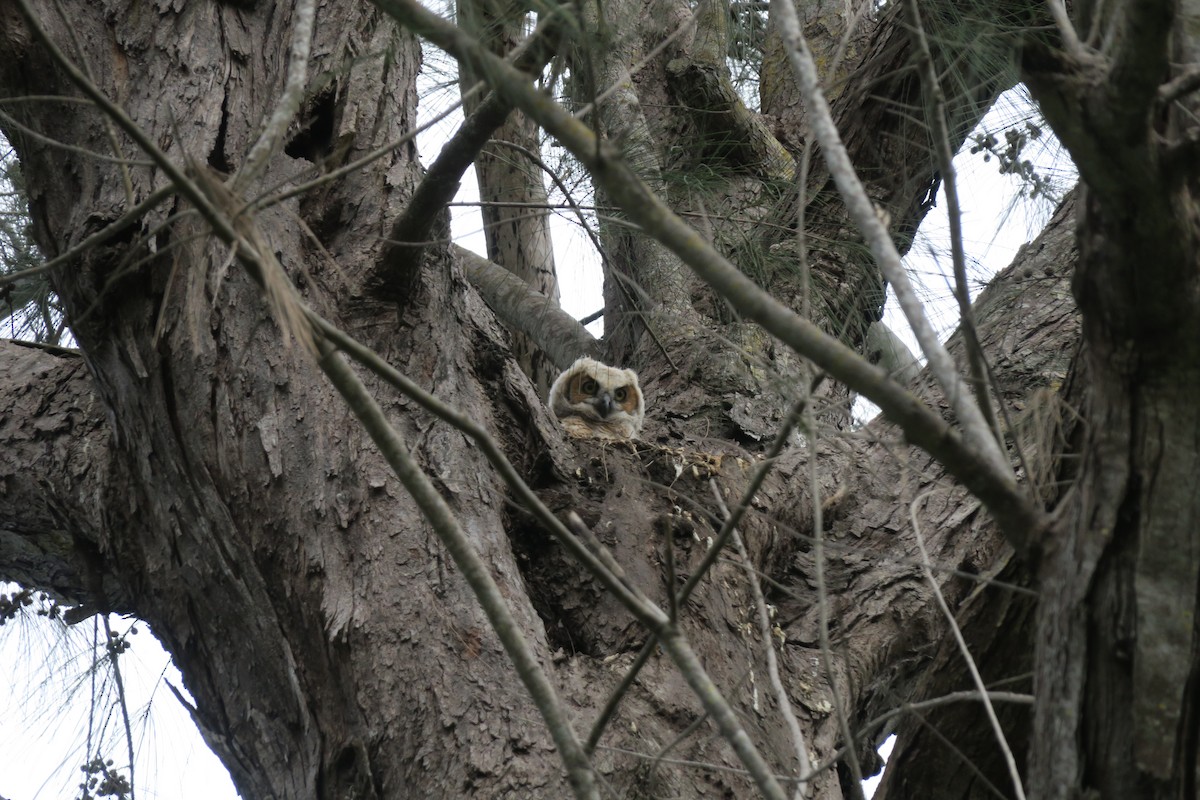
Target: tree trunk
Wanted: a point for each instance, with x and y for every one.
(194, 468)
(1040, 388)
(516, 223)
(237, 506)
(1117, 654)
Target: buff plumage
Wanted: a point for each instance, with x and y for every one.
(595, 401)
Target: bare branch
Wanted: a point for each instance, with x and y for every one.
(766, 633)
(1065, 29)
(410, 231)
(1001, 739)
(988, 478)
(618, 694)
(940, 133)
(976, 430)
(559, 334)
(289, 100)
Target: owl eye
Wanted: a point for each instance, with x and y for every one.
(589, 386)
(620, 394)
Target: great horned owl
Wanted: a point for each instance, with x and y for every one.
(595, 401)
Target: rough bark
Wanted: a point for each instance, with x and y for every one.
(1041, 388)
(516, 222)
(880, 603)
(303, 628)
(240, 509)
(194, 469)
(1117, 654)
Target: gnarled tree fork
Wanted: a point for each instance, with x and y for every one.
(194, 464)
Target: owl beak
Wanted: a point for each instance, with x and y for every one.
(603, 404)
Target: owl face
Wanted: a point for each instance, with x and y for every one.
(593, 400)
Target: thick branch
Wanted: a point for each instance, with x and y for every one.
(539, 317)
(54, 437)
(1100, 106)
(411, 232)
(702, 81)
(995, 486)
(1139, 65)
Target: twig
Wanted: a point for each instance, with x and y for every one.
(984, 781)
(626, 284)
(99, 237)
(989, 478)
(908, 708)
(661, 756)
(87, 754)
(618, 694)
(672, 600)
(976, 430)
(756, 481)
(580, 529)
(437, 512)
(1014, 773)
(71, 148)
(765, 631)
(289, 100)
(114, 658)
(628, 287)
(940, 133)
(683, 762)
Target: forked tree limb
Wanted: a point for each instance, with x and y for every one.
(989, 478)
(560, 335)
